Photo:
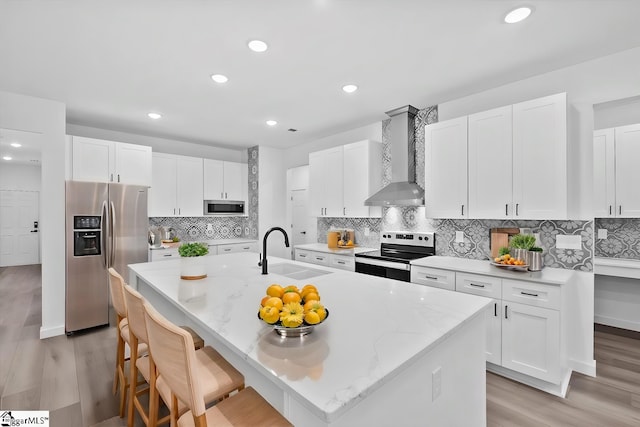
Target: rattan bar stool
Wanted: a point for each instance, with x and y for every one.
(176, 361)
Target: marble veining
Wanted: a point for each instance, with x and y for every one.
(322, 372)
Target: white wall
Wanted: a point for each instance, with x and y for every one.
(272, 189)
(20, 177)
(161, 145)
(601, 80)
(299, 155)
(617, 113)
(617, 302)
(47, 118)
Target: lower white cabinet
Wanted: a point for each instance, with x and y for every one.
(164, 254)
(236, 247)
(217, 249)
(343, 262)
(435, 277)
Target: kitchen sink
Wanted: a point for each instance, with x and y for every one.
(295, 271)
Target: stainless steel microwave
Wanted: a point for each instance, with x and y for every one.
(224, 207)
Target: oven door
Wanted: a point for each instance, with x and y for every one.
(382, 268)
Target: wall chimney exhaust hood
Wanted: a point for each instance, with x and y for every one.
(403, 190)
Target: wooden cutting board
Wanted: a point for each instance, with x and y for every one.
(500, 238)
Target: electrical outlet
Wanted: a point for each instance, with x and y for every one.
(436, 383)
(602, 233)
(459, 236)
(564, 241)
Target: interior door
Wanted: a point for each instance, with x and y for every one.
(300, 219)
(19, 237)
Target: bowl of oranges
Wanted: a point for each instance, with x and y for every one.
(293, 312)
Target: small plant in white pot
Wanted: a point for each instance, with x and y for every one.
(192, 266)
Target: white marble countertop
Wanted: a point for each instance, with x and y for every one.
(211, 242)
(557, 276)
(322, 247)
(618, 267)
(376, 328)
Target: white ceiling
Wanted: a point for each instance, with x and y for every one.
(111, 62)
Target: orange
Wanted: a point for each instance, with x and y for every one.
(318, 308)
(312, 318)
(291, 296)
(264, 300)
(311, 296)
(269, 314)
(308, 305)
(275, 290)
(274, 302)
(291, 288)
(309, 286)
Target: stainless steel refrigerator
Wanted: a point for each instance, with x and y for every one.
(106, 226)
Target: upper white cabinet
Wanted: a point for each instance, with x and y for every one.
(490, 165)
(604, 173)
(446, 169)
(177, 188)
(342, 178)
(225, 180)
(616, 174)
(540, 158)
(99, 160)
(517, 163)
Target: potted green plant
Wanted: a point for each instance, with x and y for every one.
(521, 244)
(192, 267)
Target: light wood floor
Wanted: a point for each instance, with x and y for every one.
(72, 376)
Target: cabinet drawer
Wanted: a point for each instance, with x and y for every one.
(236, 247)
(529, 293)
(164, 254)
(486, 286)
(343, 262)
(319, 258)
(437, 278)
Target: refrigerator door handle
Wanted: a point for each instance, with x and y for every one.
(112, 237)
(103, 241)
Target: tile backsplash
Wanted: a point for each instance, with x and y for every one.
(476, 232)
(623, 238)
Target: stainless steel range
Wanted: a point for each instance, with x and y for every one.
(397, 250)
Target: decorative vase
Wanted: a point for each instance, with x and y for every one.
(519, 254)
(535, 260)
(193, 268)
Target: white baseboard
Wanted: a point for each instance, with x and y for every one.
(559, 390)
(585, 368)
(618, 323)
(51, 332)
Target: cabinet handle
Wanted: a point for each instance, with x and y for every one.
(319, 258)
(344, 211)
(227, 249)
(620, 210)
(476, 286)
(529, 294)
(462, 210)
(225, 195)
(431, 277)
(341, 262)
(179, 211)
(517, 205)
(166, 255)
(495, 309)
(506, 209)
(174, 211)
(505, 311)
(302, 255)
(610, 210)
(221, 195)
(246, 248)
(118, 177)
(111, 179)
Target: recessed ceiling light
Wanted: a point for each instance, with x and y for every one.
(7, 158)
(271, 122)
(257, 45)
(349, 88)
(154, 116)
(219, 78)
(16, 145)
(517, 15)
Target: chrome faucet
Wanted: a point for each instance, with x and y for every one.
(263, 260)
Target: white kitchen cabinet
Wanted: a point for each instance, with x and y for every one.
(99, 160)
(604, 173)
(446, 169)
(490, 164)
(540, 158)
(225, 180)
(342, 262)
(237, 247)
(177, 186)
(443, 279)
(627, 143)
(164, 254)
(342, 178)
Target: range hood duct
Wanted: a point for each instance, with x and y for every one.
(403, 190)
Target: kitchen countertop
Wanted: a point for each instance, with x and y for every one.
(618, 267)
(557, 276)
(322, 247)
(212, 242)
(399, 324)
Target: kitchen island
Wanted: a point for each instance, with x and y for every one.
(390, 352)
